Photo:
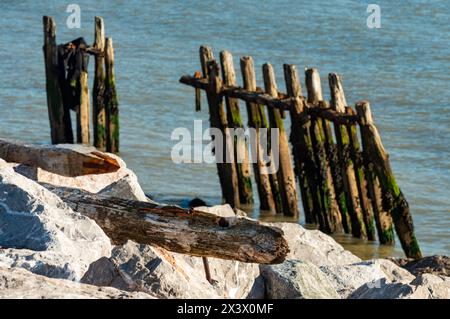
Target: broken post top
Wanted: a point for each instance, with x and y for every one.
(338, 101)
(293, 87)
(248, 73)
(270, 84)
(49, 29)
(364, 113)
(99, 42)
(228, 73)
(206, 55)
(313, 86)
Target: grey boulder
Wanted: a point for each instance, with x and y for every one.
(16, 283)
(296, 279)
(34, 219)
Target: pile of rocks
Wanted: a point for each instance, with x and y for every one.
(47, 250)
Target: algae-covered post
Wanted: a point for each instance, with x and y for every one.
(59, 115)
(330, 213)
(301, 145)
(393, 200)
(338, 103)
(355, 153)
(98, 91)
(227, 171)
(255, 120)
(223, 151)
(285, 173)
(111, 100)
(234, 119)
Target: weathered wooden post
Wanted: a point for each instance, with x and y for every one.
(98, 92)
(217, 116)
(83, 110)
(301, 146)
(241, 157)
(111, 100)
(59, 115)
(285, 173)
(355, 152)
(330, 208)
(338, 103)
(256, 120)
(383, 219)
(394, 200)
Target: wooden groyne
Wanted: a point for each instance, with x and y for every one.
(66, 70)
(345, 179)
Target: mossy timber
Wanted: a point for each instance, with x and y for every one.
(235, 121)
(98, 91)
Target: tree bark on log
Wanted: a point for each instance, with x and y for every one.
(71, 162)
(179, 230)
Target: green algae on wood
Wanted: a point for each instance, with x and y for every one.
(59, 115)
(241, 158)
(393, 199)
(285, 172)
(217, 115)
(98, 91)
(301, 146)
(329, 205)
(256, 120)
(338, 103)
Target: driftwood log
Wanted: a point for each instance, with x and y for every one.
(70, 160)
(179, 230)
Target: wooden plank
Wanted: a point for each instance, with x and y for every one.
(66, 161)
(284, 102)
(394, 201)
(255, 121)
(98, 91)
(183, 231)
(235, 121)
(285, 173)
(299, 138)
(338, 103)
(330, 213)
(59, 116)
(111, 101)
